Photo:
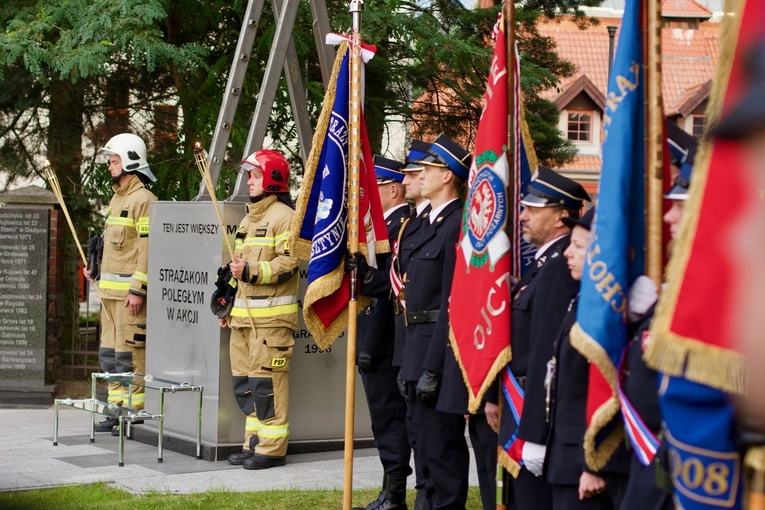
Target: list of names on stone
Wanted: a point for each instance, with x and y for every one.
(23, 295)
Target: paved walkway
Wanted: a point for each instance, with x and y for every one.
(28, 460)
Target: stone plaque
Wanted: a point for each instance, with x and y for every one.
(23, 296)
(186, 344)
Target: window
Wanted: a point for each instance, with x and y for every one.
(580, 126)
(699, 124)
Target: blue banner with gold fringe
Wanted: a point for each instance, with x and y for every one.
(615, 252)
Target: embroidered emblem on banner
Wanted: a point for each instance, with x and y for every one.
(486, 238)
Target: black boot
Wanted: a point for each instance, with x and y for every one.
(421, 501)
(395, 496)
(238, 459)
(107, 425)
(258, 461)
(380, 497)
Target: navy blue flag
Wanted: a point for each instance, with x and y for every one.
(319, 226)
(615, 252)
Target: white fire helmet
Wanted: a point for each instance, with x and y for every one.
(132, 150)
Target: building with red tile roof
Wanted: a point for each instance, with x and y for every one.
(689, 40)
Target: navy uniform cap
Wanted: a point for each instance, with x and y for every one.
(447, 153)
(584, 222)
(682, 152)
(417, 151)
(388, 170)
(748, 115)
(549, 189)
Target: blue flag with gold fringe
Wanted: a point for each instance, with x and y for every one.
(320, 224)
(615, 252)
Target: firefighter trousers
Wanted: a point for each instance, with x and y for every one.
(260, 363)
(123, 349)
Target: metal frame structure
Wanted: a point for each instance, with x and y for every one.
(126, 414)
(282, 56)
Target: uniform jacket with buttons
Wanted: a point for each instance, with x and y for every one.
(376, 322)
(430, 270)
(379, 285)
(262, 241)
(564, 462)
(540, 301)
(125, 261)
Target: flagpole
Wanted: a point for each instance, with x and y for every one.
(508, 8)
(655, 144)
(354, 155)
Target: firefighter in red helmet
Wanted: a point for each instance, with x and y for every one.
(265, 312)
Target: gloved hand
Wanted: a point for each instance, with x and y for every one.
(356, 261)
(533, 456)
(365, 362)
(643, 294)
(427, 387)
(402, 387)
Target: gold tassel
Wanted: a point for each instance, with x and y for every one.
(509, 464)
(755, 458)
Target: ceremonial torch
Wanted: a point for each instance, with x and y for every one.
(200, 158)
(50, 176)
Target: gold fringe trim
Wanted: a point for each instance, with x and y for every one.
(668, 352)
(597, 457)
(382, 247)
(509, 464)
(502, 359)
(755, 458)
(528, 142)
(301, 248)
(321, 288)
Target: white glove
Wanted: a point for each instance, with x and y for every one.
(533, 456)
(643, 294)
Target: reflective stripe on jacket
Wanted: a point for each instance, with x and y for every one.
(262, 241)
(126, 241)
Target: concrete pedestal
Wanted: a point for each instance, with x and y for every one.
(185, 343)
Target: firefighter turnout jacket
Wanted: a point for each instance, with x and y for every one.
(270, 280)
(126, 242)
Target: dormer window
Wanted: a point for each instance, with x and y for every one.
(699, 125)
(579, 126)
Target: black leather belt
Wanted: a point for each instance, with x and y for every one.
(421, 317)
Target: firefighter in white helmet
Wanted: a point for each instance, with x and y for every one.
(265, 312)
(123, 276)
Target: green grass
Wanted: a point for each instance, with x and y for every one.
(104, 497)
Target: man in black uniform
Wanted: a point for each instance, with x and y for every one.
(540, 301)
(436, 390)
(387, 281)
(387, 407)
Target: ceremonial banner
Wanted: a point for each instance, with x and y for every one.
(319, 226)
(480, 300)
(694, 339)
(692, 332)
(479, 306)
(615, 251)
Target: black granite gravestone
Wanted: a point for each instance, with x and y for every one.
(24, 240)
